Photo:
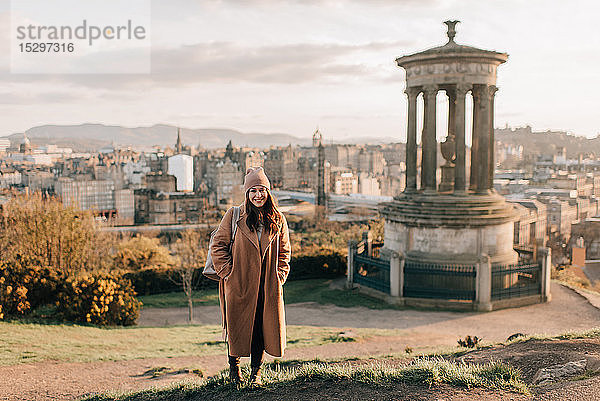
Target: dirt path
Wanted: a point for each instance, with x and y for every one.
(419, 329)
(67, 381)
(567, 311)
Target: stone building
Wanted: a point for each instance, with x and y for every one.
(281, 166)
(9, 177)
(160, 203)
(394, 153)
(561, 214)
(368, 184)
(577, 182)
(38, 180)
(4, 145)
(124, 205)
(342, 155)
(370, 161)
(252, 159)
(100, 196)
(343, 181)
(157, 161)
(86, 194)
(530, 228)
(225, 179)
(307, 174)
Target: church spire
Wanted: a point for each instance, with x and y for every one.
(179, 145)
(317, 138)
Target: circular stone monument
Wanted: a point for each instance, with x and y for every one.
(460, 219)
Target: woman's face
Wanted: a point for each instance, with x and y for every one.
(258, 195)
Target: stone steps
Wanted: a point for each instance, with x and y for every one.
(448, 210)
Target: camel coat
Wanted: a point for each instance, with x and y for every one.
(240, 280)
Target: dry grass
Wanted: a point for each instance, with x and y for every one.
(29, 342)
(426, 372)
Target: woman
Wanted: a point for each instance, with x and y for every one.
(252, 271)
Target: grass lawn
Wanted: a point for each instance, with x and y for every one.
(30, 342)
(315, 290)
(281, 381)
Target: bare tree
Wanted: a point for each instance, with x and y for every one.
(190, 255)
(43, 232)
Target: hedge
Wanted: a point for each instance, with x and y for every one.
(150, 282)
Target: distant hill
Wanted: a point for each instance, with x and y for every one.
(90, 137)
(547, 142)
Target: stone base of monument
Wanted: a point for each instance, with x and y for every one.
(450, 229)
(448, 245)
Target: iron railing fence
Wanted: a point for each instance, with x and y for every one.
(372, 272)
(516, 280)
(444, 281)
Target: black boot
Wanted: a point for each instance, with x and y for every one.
(255, 378)
(235, 375)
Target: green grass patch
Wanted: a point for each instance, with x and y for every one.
(315, 290)
(32, 342)
(570, 335)
(179, 300)
(284, 379)
(319, 291)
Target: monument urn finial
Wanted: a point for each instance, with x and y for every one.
(451, 29)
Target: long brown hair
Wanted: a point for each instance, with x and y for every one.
(268, 215)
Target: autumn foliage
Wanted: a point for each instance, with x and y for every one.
(55, 255)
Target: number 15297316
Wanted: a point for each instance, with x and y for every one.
(46, 47)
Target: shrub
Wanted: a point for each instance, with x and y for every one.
(150, 282)
(325, 265)
(13, 299)
(328, 264)
(141, 253)
(25, 287)
(98, 299)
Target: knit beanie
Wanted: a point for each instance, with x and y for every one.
(256, 176)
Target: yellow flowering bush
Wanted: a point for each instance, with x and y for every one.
(24, 287)
(99, 299)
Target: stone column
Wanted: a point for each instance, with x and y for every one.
(546, 262)
(395, 277)
(483, 285)
(474, 140)
(451, 112)
(492, 153)
(459, 132)
(429, 159)
(350, 264)
(411, 141)
(481, 113)
(448, 147)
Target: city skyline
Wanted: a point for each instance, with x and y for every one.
(290, 66)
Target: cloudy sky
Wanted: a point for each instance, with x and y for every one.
(290, 66)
